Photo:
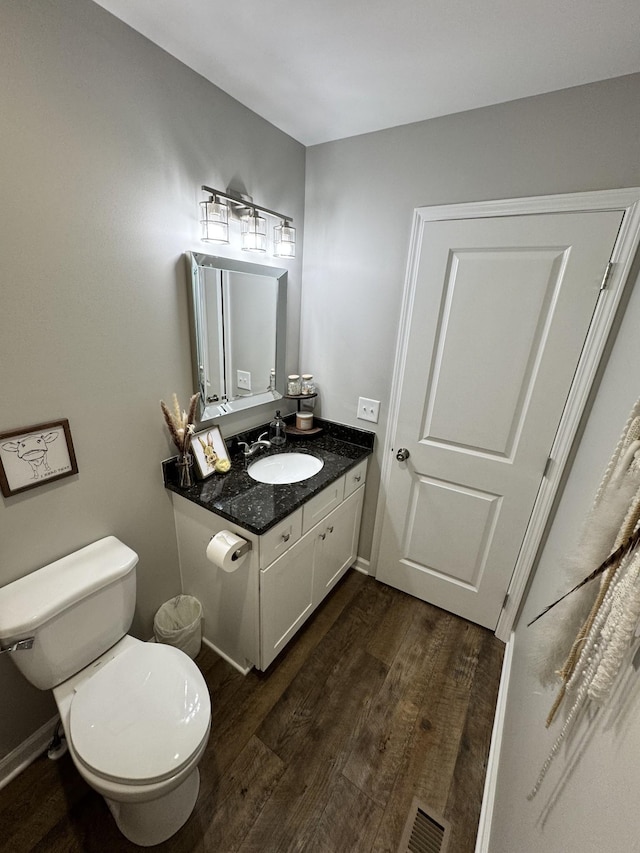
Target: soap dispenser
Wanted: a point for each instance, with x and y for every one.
(277, 431)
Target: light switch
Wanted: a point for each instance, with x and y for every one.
(368, 410)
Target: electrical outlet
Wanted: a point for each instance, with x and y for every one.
(368, 410)
(243, 379)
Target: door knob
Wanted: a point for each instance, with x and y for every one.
(403, 454)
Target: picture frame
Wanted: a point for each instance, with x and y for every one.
(207, 447)
(35, 455)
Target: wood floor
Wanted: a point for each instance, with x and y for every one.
(379, 698)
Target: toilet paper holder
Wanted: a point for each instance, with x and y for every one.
(240, 551)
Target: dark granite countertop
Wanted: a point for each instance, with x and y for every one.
(259, 506)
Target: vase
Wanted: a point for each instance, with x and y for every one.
(184, 465)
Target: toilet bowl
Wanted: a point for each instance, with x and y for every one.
(136, 715)
(137, 721)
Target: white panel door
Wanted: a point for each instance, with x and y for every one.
(501, 308)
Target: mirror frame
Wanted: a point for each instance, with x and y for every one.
(196, 261)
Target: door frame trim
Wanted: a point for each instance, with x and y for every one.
(626, 200)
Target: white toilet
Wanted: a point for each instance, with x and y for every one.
(136, 715)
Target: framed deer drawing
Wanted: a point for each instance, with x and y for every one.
(35, 455)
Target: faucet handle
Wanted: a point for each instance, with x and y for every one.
(245, 446)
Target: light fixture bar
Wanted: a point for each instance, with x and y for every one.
(240, 202)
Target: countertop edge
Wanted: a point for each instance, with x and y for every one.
(221, 494)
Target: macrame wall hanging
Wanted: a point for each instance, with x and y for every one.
(589, 629)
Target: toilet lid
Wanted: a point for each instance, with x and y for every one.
(141, 717)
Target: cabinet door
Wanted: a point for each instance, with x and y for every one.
(336, 545)
(286, 588)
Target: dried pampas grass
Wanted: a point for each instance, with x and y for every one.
(181, 424)
(552, 638)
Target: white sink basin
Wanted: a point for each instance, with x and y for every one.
(285, 468)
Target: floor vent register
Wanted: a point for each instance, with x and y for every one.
(424, 832)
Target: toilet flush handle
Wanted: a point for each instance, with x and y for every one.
(19, 645)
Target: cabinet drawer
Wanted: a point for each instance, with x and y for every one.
(316, 508)
(276, 541)
(355, 478)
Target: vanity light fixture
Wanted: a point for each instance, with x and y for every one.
(215, 223)
(215, 220)
(254, 232)
(284, 240)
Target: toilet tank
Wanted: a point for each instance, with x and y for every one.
(75, 609)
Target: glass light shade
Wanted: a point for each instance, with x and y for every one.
(254, 233)
(284, 241)
(214, 221)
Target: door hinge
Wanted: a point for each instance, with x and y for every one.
(504, 603)
(606, 276)
(547, 467)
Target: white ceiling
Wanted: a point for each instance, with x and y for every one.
(327, 69)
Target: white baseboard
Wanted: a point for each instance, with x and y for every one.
(362, 565)
(242, 669)
(22, 756)
(491, 779)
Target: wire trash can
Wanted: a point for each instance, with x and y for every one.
(178, 623)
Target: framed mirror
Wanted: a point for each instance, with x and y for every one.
(238, 333)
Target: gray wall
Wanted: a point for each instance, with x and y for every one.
(361, 193)
(359, 201)
(104, 143)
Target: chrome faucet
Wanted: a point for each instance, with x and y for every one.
(250, 449)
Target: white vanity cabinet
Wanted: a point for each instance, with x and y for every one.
(250, 614)
(293, 585)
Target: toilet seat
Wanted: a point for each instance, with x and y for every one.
(141, 718)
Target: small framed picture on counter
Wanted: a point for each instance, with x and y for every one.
(210, 452)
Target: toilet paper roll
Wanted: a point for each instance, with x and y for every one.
(223, 550)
